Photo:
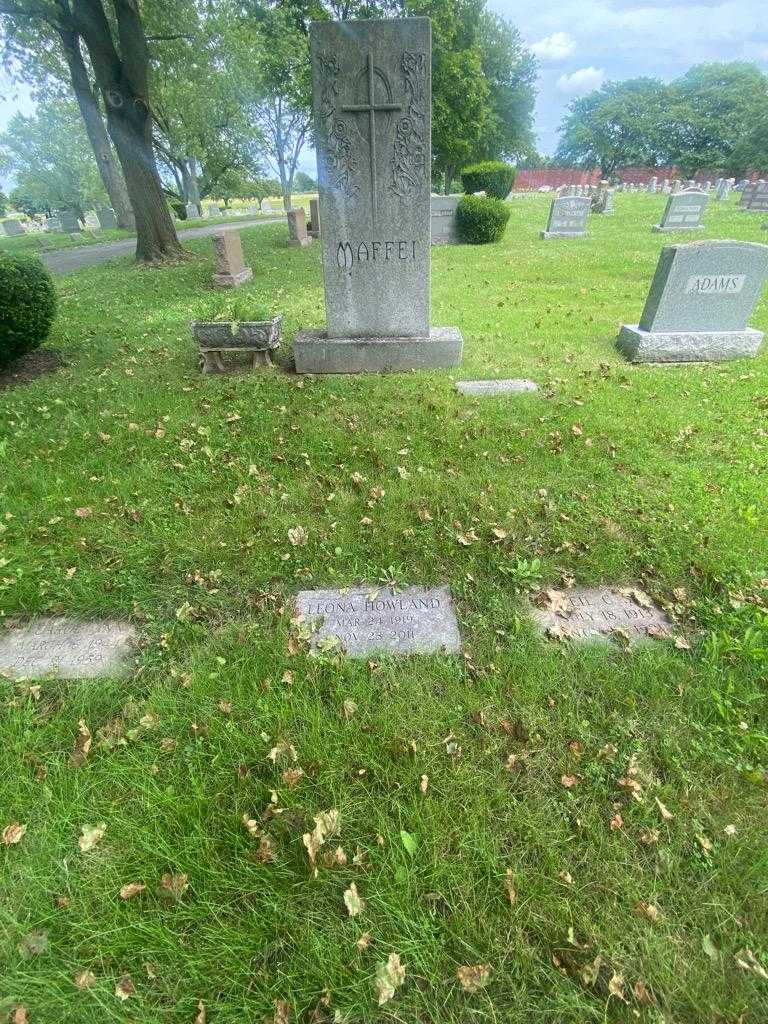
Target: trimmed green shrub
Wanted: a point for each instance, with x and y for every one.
(481, 219)
(491, 176)
(27, 305)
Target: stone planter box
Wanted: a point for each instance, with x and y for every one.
(259, 337)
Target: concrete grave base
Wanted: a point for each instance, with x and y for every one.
(481, 388)
(301, 243)
(232, 280)
(686, 346)
(315, 352)
(563, 234)
(657, 228)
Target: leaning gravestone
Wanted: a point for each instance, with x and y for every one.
(66, 648)
(485, 388)
(443, 220)
(700, 301)
(106, 217)
(568, 217)
(69, 221)
(601, 613)
(91, 221)
(683, 212)
(13, 227)
(231, 270)
(371, 92)
(362, 621)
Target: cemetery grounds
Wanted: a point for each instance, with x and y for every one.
(588, 822)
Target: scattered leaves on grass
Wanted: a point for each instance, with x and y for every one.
(348, 709)
(389, 977)
(364, 941)
(173, 886)
(647, 910)
(282, 1013)
(509, 886)
(424, 784)
(298, 536)
(13, 833)
(201, 1015)
(353, 901)
(569, 781)
(20, 1015)
(82, 744)
(473, 978)
(326, 824)
(83, 513)
(409, 841)
(132, 889)
(125, 988)
(747, 961)
(666, 814)
(616, 986)
(641, 993)
(92, 835)
(84, 980)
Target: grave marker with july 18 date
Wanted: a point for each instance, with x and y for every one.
(700, 301)
(371, 97)
(600, 613)
(66, 648)
(568, 217)
(363, 621)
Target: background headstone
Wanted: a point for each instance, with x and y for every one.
(106, 217)
(567, 217)
(371, 93)
(66, 648)
(444, 225)
(193, 211)
(13, 227)
(231, 270)
(266, 206)
(699, 304)
(91, 221)
(297, 227)
(683, 212)
(213, 210)
(314, 218)
(69, 221)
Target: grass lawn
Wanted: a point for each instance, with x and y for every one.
(650, 908)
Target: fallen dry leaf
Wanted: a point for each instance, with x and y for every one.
(132, 889)
(569, 781)
(509, 885)
(92, 834)
(19, 1015)
(616, 986)
(83, 513)
(424, 783)
(298, 536)
(13, 833)
(348, 709)
(125, 988)
(84, 980)
(353, 901)
(473, 978)
(326, 824)
(389, 977)
(282, 1013)
(364, 941)
(667, 815)
(641, 993)
(201, 1015)
(82, 744)
(173, 886)
(648, 910)
(747, 961)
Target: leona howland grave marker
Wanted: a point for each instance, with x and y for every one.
(701, 299)
(371, 93)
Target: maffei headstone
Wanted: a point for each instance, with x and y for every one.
(363, 621)
(683, 212)
(66, 648)
(106, 217)
(371, 92)
(568, 217)
(700, 302)
(445, 228)
(13, 227)
(489, 388)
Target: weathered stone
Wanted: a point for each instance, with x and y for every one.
(66, 648)
(106, 217)
(266, 206)
(683, 212)
(372, 116)
(652, 184)
(213, 210)
(568, 217)
(13, 227)
(601, 613)
(444, 223)
(314, 218)
(364, 621)
(297, 228)
(69, 221)
(231, 270)
(91, 221)
(193, 211)
(758, 200)
(699, 303)
(482, 388)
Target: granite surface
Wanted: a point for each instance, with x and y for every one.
(66, 648)
(315, 352)
(481, 388)
(600, 613)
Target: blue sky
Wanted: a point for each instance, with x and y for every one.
(582, 43)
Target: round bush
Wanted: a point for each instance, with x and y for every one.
(491, 176)
(27, 305)
(481, 219)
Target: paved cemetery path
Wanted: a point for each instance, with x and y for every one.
(64, 260)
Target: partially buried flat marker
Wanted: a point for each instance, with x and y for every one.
(66, 648)
(361, 621)
(601, 613)
(482, 388)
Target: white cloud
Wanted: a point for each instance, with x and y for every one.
(554, 47)
(581, 82)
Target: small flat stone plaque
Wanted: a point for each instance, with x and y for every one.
(481, 388)
(601, 613)
(66, 648)
(363, 621)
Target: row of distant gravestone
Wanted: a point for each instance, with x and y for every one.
(68, 220)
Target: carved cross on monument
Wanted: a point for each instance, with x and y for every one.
(371, 108)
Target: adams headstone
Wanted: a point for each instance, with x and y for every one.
(683, 212)
(362, 621)
(444, 224)
(568, 217)
(371, 95)
(66, 648)
(700, 301)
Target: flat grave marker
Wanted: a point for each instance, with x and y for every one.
(701, 298)
(601, 613)
(66, 648)
(484, 388)
(568, 217)
(364, 621)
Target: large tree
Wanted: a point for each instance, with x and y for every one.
(620, 124)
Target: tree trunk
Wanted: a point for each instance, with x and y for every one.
(97, 133)
(123, 80)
